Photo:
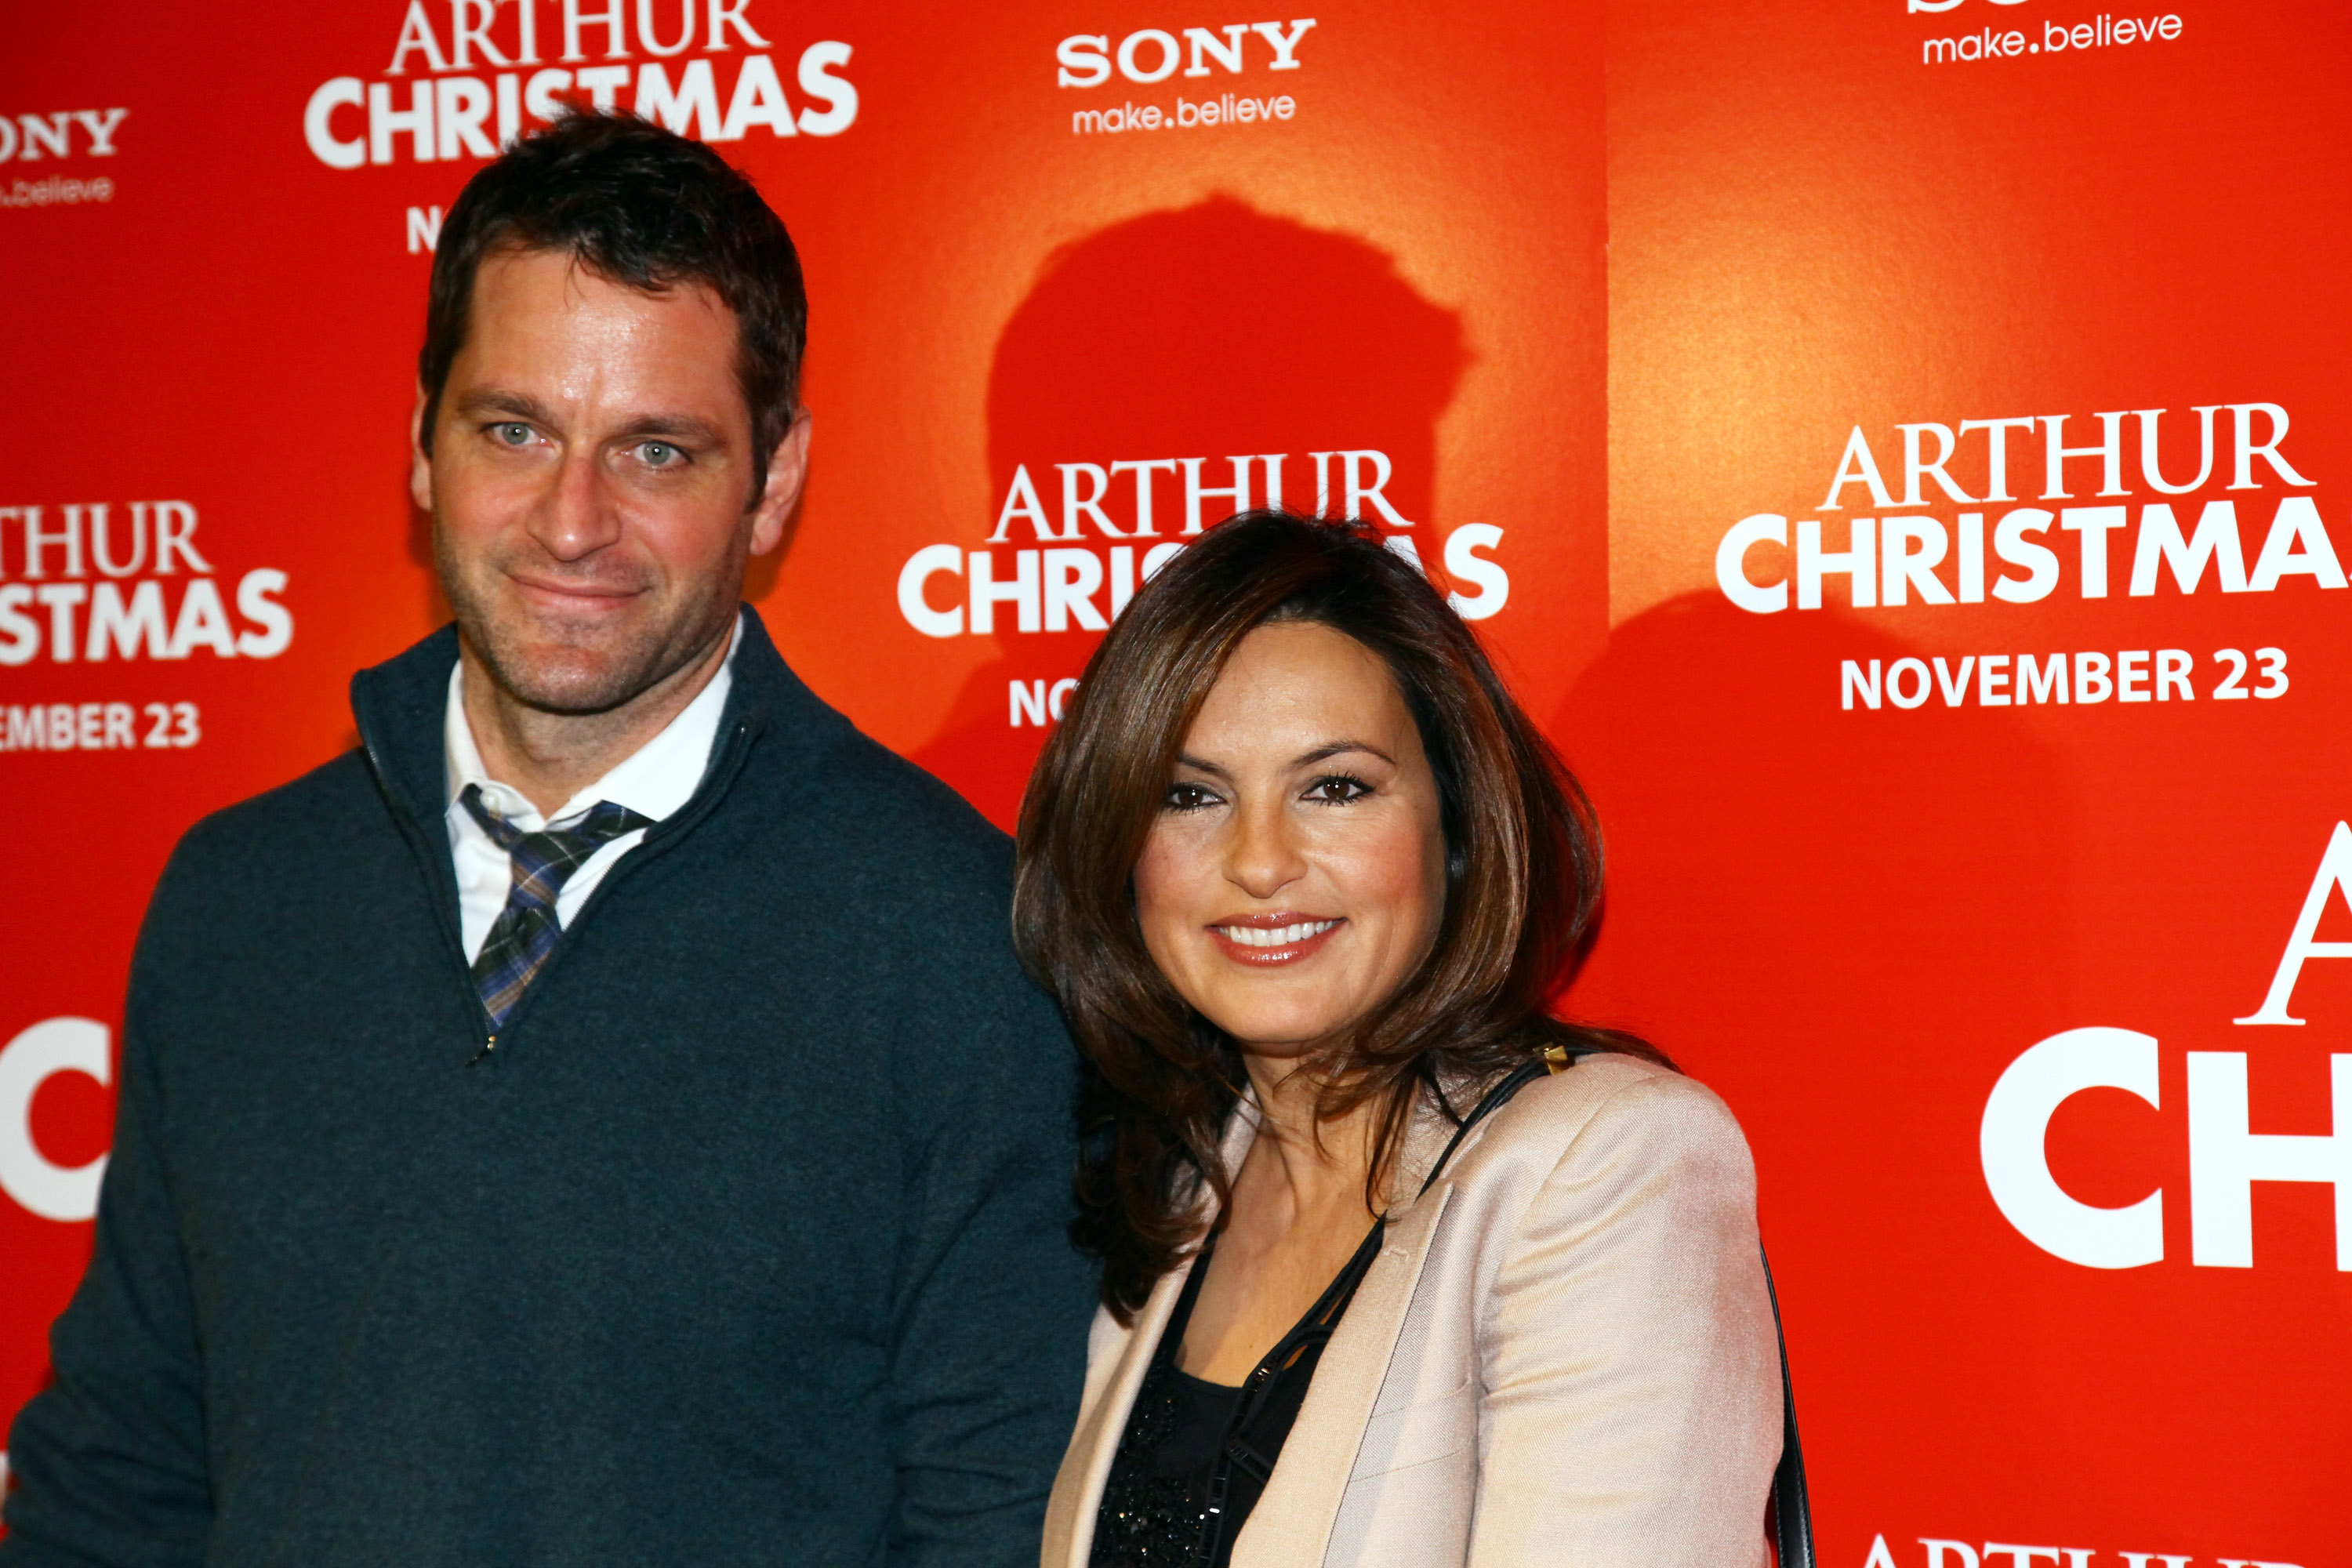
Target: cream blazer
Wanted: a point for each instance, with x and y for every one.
(1563, 1355)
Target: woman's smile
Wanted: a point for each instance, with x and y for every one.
(1270, 940)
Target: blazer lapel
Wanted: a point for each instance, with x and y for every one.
(1291, 1525)
(1086, 1465)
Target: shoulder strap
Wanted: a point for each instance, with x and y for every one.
(1789, 1511)
(1494, 1099)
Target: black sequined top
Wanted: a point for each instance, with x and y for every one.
(1196, 1456)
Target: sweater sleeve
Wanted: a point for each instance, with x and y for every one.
(109, 1460)
(993, 1303)
(1633, 1409)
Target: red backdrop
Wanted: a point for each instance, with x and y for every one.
(1970, 809)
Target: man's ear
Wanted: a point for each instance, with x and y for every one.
(787, 471)
(420, 462)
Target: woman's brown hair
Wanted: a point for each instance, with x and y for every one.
(1522, 877)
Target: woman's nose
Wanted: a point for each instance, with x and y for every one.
(1262, 856)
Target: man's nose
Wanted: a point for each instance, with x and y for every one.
(575, 516)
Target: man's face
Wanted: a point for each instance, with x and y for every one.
(589, 482)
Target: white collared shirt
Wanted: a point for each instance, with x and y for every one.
(654, 781)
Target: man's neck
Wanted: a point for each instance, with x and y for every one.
(550, 757)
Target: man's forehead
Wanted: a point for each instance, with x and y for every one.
(561, 278)
(551, 340)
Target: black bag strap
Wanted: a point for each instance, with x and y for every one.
(1789, 1512)
(1520, 1078)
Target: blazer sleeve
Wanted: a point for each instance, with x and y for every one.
(1631, 1376)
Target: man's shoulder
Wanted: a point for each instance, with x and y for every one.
(900, 801)
(283, 831)
(870, 806)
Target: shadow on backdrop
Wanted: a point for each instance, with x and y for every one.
(1850, 920)
(1214, 332)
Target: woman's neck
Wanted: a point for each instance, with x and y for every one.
(1313, 1168)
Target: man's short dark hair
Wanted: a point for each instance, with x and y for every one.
(640, 206)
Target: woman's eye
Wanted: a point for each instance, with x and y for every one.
(1189, 798)
(1336, 790)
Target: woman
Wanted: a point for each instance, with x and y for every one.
(1303, 876)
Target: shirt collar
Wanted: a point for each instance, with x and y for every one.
(653, 781)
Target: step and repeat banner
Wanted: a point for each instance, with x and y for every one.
(1899, 446)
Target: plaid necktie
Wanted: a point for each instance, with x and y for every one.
(526, 930)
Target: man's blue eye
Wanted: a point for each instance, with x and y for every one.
(514, 435)
(659, 453)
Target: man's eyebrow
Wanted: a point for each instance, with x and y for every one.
(492, 401)
(679, 426)
(1326, 751)
(498, 400)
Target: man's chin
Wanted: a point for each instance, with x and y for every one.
(570, 664)
(571, 677)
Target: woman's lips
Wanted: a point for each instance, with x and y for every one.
(1269, 940)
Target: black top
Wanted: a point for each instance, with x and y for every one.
(746, 1245)
(1196, 1456)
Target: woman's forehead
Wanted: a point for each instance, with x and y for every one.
(1293, 677)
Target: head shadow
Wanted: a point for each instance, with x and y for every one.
(1847, 918)
(1210, 332)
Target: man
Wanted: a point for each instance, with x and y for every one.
(602, 1120)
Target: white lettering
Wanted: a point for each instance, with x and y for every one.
(318, 123)
(60, 1193)
(759, 101)
(2010, 1147)
(1858, 564)
(1282, 43)
(2225, 1159)
(817, 62)
(987, 593)
(2335, 872)
(920, 567)
(1731, 563)
(1493, 584)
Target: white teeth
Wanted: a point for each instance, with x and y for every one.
(1277, 936)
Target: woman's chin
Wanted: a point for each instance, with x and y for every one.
(1281, 1037)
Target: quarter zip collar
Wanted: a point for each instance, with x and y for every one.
(399, 706)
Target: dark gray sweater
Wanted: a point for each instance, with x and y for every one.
(747, 1245)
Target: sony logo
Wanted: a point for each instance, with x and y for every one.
(32, 137)
(1152, 54)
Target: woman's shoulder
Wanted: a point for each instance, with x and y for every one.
(1611, 1108)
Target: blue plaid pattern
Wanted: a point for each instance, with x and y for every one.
(527, 929)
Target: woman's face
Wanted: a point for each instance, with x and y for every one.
(1296, 875)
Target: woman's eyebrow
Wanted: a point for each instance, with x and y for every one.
(1331, 749)
(1186, 759)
